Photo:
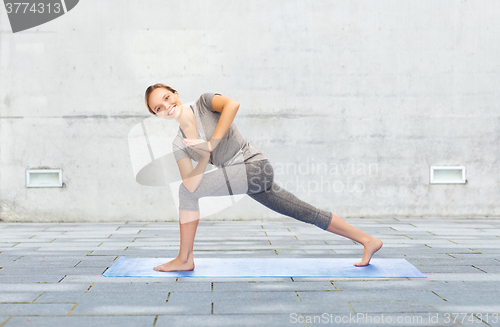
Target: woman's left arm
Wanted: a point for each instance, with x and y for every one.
(228, 108)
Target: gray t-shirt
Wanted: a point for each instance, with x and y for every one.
(232, 149)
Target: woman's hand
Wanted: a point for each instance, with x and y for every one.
(200, 146)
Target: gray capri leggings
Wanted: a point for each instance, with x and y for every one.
(257, 180)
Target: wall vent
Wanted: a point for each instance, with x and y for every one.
(448, 175)
(44, 178)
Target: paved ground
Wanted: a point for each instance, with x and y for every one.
(51, 275)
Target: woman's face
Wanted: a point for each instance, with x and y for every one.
(165, 103)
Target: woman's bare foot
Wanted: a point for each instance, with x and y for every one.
(371, 246)
(176, 265)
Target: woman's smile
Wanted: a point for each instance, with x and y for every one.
(172, 110)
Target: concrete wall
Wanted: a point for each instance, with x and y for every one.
(376, 90)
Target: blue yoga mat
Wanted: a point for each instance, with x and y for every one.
(268, 267)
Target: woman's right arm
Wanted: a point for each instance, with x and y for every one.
(192, 177)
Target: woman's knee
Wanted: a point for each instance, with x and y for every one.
(268, 170)
(260, 176)
(184, 192)
(268, 174)
(187, 200)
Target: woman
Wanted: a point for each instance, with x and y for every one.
(207, 134)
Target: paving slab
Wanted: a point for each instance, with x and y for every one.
(42, 287)
(18, 297)
(138, 287)
(138, 309)
(392, 306)
(221, 320)
(33, 278)
(272, 286)
(368, 296)
(44, 269)
(36, 309)
(126, 297)
(82, 321)
(89, 279)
